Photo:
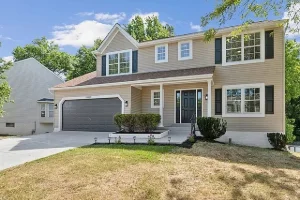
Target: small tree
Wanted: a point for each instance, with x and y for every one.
(211, 128)
(4, 86)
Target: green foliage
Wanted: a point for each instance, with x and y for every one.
(84, 61)
(151, 140)
(150, 29)
(191, 138)
(119, 141)
(227, 10)
(211, 128)
(292, 70)
(289, 129)
(277, 140)
(148, 122)
(5, 89)
(46, 53)
(137, 122)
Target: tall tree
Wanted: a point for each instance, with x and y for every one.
(150, 29)
(226, 10)
(4, 86)
(292, 70)
(47, 53)
(84, 61)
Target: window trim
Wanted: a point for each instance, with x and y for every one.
(243, 113)
(47, 114)
(118, 52)
(191, 50)
(166, 52)
(262, 49)
(152, 98)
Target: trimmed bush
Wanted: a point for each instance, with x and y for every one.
(147, 122)
(277, 140)
(137, 122)
(289, 130)
(211, 128)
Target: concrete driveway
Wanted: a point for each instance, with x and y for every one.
(19, 150)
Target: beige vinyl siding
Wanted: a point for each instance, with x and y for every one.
(123, 91)
(203, 55)
(119, 43)
(270, 72)
(169, 100)
(136, 100)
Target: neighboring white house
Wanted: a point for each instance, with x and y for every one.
(32, 109)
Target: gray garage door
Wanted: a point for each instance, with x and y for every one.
(90, 114)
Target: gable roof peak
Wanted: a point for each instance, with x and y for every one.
(109, 37)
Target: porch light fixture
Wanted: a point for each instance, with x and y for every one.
(206, 96)
(95, 140)
(126, 103)
(55, 106)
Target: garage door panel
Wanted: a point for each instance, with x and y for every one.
(90, 114)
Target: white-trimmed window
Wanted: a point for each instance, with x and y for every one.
(244, 100)
(161, 53)
(119, 62)
(245, 48)
(155, 98)
(185, 50)
(47, 110)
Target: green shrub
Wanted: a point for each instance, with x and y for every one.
(148, 122)
(289, 130)
(211, 128)
(277, 140)
(191, 138)
(151, 140)
(137, 122)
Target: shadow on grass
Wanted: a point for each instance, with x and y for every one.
(265, 158)
(277, 182)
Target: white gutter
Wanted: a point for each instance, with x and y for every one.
(158, 80)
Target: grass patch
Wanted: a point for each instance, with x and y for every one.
(206, 171)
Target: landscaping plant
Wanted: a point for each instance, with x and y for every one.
(211, 128)
(130, 123)
(277, 140)
(151, 140)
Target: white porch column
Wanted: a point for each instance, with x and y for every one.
(209, 98)
(161, 103)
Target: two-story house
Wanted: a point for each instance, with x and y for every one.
(240, 79)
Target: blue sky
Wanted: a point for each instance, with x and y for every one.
(72, 23)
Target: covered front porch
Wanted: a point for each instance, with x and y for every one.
(176, 101)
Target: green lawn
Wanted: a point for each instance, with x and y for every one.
(207, 171)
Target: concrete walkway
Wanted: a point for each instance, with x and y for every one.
(18, 150)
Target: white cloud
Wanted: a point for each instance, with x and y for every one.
(5, 38)
(195, 27)
(85, 14)
(8, 58)
(289, 15)
(110, 18)
(83, 33)
(144, 15)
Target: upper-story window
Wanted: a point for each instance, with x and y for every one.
(185, 50)
(161, 53)
(119, 62)
(244, 48)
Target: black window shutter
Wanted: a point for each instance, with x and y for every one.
(218, 101)
(103, 72)
(269, 44)
(269, 90)
(134, 61)
(218, 50)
